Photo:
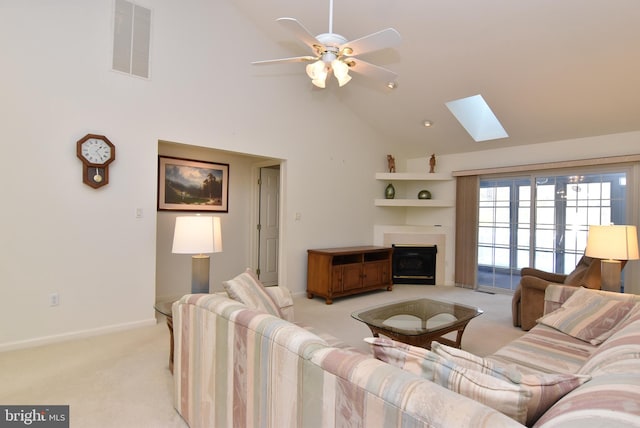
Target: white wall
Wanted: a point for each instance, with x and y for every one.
(173, 271)
(61, 236)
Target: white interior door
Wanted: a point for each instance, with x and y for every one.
(268, 228)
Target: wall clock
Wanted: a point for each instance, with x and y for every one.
(96, 153)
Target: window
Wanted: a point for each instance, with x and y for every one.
(542, 221)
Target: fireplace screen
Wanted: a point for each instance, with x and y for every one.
(414, 264)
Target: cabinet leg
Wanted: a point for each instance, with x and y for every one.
(309, 295)
(390, 288)
(328, 301)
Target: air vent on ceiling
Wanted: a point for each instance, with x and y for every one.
(131, 38)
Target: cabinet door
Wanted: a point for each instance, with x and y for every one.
(336, 280)
(375, 273)
(351, 276)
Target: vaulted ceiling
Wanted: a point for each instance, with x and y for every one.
(550, 69)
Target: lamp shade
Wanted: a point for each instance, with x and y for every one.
(340, 71)
(614, 242)
(318, 73)
(197, 235)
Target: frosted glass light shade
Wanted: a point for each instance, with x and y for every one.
(614, 242)
(197, 235)
(318, 71)
(341, 71)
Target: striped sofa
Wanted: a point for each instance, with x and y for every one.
(612, 397)
(239, 367)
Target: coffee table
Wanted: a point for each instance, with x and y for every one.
(419, 322)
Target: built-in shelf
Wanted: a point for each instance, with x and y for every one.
(413, 176)
(427, 203)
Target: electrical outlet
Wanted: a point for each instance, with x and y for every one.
(54, 299)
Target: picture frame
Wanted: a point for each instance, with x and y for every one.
(192, 185)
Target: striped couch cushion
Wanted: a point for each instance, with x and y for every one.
(545, 388)
(523, 397)
(589, 316)
(619, 354)
(473, 362)
(605, 401)
(362, 392)
(544, 350)
(499, 394)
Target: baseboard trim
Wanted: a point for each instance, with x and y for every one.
(80, 334)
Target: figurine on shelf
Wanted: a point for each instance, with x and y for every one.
(392, 163)
(432, 164)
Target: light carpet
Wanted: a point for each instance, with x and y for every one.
(122, 379)
(484, 334)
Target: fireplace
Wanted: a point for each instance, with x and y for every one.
(414, 264)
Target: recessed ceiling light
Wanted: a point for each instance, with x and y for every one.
(427, 123)
(392, 85)
(475, 115)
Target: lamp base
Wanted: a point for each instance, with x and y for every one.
(610, 274)
(200, 274)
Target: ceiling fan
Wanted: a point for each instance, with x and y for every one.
(333, 52)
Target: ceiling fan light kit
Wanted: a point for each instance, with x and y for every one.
(334, 53)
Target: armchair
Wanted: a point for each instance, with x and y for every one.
(527, 304)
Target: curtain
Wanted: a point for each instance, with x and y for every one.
(467, 189)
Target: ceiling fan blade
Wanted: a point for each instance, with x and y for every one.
(291, 59)
(299, 30)
(374, 71)
(386, 38)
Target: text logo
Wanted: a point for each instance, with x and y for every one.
(34, 416)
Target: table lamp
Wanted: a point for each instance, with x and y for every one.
(612, 244)
(198, 235)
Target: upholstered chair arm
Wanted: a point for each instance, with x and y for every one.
(547, 276)
(515, 306)
(532, 300)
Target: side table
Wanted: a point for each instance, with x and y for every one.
(165, 309)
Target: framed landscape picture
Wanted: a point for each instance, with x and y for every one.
(191, 185)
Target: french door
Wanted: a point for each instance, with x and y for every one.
(542, 221)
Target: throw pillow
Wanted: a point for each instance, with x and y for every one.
(588, 316)
(246, 288)
(503, 396)
(543, 390)
(474, 362)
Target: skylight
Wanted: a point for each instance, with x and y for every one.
(475, 115)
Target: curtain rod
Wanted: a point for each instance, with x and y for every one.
(548, 165)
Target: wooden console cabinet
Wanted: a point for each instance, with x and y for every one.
(335, 272)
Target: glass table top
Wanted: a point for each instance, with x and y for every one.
(416, 316)
(164, 307)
